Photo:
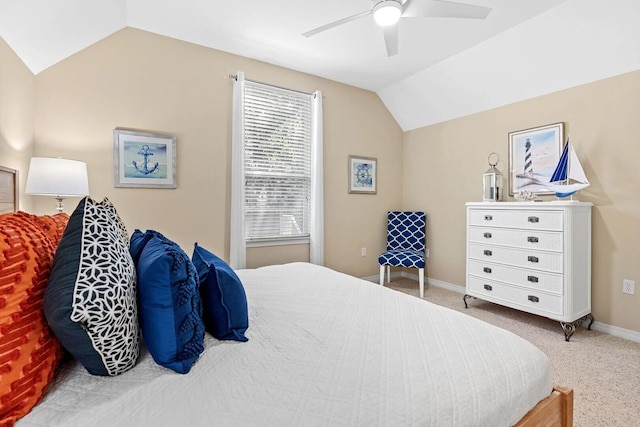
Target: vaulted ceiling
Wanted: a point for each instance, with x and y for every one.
(44, 32)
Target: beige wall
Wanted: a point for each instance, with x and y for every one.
(135, 79)
(444, 163)
(144, 81)
(16, 115)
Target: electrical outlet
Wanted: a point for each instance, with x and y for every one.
(426, 253)
(363, 252)
(629, 286)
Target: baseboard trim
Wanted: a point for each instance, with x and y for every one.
(394, 275)
(615, 331)
(434, 282)
(374, 279)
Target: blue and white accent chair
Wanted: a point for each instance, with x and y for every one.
(405, 244)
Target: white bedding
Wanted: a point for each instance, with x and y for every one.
(324, 349)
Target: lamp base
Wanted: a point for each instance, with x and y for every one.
(59, 204)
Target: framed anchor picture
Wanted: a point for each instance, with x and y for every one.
(144, 160)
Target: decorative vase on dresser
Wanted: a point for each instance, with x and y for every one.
(532, 256)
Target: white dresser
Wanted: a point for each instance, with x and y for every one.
(532, 256)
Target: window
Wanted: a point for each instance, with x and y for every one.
(276, 170)
(277, 163)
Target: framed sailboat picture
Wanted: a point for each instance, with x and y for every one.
(533, 157)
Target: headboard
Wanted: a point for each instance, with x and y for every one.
(8, 190)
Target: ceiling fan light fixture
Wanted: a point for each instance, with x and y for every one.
(387, 12)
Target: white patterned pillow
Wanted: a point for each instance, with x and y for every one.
(90, 300)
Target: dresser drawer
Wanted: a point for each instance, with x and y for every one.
(529, 259)
(529, 219)
(514, 296)
(537, 280)
(530, 239)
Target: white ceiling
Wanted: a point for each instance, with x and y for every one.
(44, 32)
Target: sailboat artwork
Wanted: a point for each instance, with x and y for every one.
(568, 177)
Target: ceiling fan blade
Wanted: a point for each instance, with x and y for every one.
(391, 39)
(336, 23)
(444, 9)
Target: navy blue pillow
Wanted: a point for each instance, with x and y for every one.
(169, 304)
(90, 299)
(225, 311)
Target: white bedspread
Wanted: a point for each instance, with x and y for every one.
(325, 349)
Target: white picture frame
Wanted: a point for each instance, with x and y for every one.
(363, 175)
(144, 160)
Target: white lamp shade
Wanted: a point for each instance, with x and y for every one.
(387, 12)
(50, 176)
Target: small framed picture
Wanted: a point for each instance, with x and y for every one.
(144, 160)
(363, 173)
(533, 156)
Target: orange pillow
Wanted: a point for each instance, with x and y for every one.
(53, 225)
(29, 353)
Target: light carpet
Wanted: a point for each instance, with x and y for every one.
(603, 370)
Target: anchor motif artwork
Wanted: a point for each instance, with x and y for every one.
(146, 152)
(144, 160)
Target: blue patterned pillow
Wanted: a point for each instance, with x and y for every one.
(169, 301)
(226, 315)
(90, 299)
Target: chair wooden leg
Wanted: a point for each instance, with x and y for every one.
(382, 275)
(421, 278)
(388, 274)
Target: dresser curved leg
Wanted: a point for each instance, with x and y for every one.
(464, 298)
(570, 327)
(590, 317)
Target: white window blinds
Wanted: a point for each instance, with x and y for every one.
(277, 162)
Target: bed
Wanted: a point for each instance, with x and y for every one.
(326, 349)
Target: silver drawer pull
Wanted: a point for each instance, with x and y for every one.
(533, 298)
(488, 217)
(532, 239)
(487, 270)
(532, 279)
(532, 259)
(487, 252)
(533, 219)
(488, 287)
(487, 235)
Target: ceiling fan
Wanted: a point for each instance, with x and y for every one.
(387, 13)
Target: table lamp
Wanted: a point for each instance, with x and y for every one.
(60, 178)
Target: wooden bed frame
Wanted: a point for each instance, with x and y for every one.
(8, 190)
(555, 410)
